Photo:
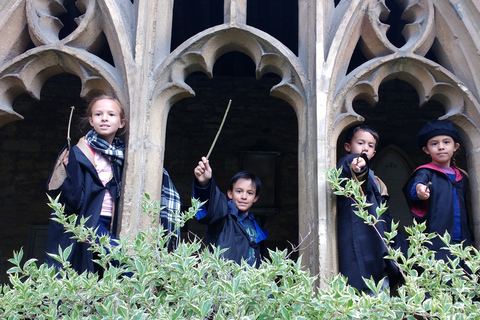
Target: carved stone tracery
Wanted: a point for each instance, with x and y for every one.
(431, 80)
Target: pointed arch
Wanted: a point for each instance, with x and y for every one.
(432, 82)
(200, 53)
(73, 54)
(29, 72)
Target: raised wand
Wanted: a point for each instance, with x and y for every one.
(219, 129)
(69, 123)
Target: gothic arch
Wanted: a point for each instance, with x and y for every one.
(28, 74)
(28, 69)
(364, 22)
(432, 82)
(438, 58)
(200, 54)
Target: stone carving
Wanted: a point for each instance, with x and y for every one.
(419, 32)
(201, 52)
(386, 62)
(75, 53)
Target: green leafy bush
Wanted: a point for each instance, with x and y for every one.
(192, 283)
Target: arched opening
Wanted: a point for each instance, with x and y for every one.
(29, 150)
(397, 118)
(260, 133)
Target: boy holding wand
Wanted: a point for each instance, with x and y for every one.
(230, 223)
(361, 251)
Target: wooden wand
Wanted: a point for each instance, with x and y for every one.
(428, 186)
(359, 156)
(219, 129)
(69, 123)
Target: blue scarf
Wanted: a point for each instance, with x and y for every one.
(114, 152)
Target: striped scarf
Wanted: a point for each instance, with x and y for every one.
(114, 152)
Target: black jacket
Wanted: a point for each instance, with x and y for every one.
(82, 193)
(438, 209)
(225, 227)
(361, 251)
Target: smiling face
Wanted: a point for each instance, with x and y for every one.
(362, 141)
(441, 149)
(243, 194)
(106, 118)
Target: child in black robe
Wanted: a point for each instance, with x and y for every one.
(361, 251)
(436, 192)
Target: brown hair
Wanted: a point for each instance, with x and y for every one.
(88, 112)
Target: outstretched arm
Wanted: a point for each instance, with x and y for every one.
(423, 192)
(358, 164)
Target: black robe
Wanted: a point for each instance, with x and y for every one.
(224, 229)
(438, 209)
(82, 193)
(361, 251)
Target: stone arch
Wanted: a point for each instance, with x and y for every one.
(432, 82)
(29, 73)
(36, 59)
(199, 54)
(38, 24)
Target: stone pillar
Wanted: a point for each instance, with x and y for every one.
(146, 143)
(235, 12)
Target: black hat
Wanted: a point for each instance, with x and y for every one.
(437, 128)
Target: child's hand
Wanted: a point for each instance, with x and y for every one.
(358, 163)
(422, 191)
(203, 172)
(65, 158)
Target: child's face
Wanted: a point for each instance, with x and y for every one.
(441, 149)
(362, 141)
(105, 119)
(243, 194)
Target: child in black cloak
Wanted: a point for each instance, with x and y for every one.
(361, 251)
(230, 223)
(436, 191)
(88, 179)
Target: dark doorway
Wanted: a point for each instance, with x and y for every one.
(257, 125)
(29, 149)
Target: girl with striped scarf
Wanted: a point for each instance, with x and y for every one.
(88, 179)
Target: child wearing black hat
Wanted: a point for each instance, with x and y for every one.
(436, 191)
